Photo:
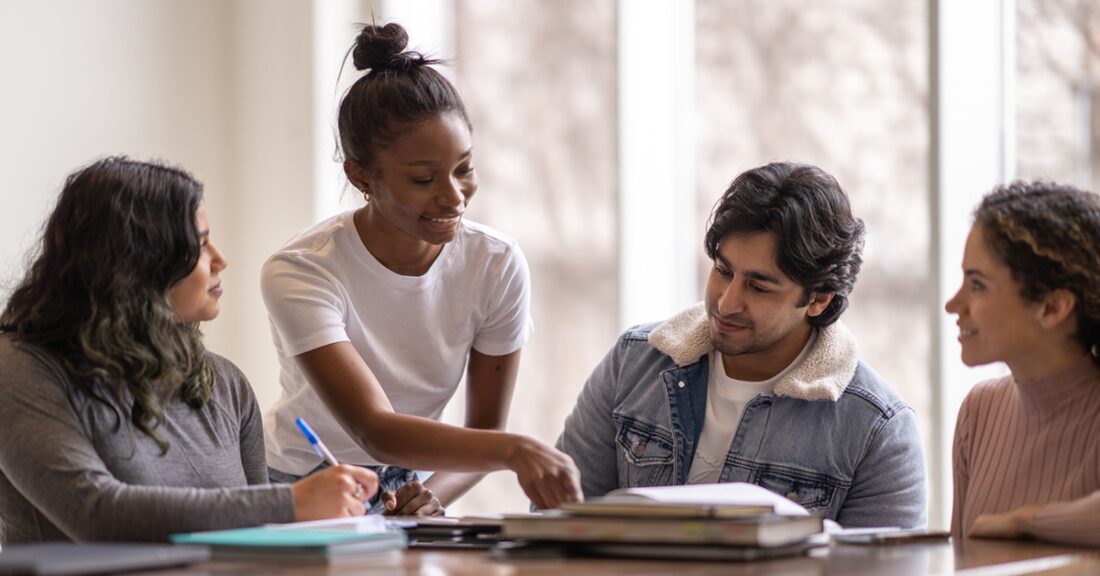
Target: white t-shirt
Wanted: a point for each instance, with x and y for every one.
(726, 400)
(414, 332)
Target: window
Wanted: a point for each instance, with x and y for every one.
(1058, 65)
(844, 86)
(539, 81)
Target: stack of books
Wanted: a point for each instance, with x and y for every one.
(475, 532)
(716, 521)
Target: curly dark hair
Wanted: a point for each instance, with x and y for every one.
(122, 234)
(400, 89)
(1048, 235)
(818, 241)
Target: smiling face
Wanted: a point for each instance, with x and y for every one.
(195, 297)
(757, 316)
(419, 185)
(995, 322)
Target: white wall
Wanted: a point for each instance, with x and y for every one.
(224, 89)
(272, 145)
(82, 80)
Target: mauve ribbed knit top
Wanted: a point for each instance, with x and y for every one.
(1032, 442)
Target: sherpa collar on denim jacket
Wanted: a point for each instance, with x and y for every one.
(823, 374)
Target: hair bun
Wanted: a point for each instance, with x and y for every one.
(380, 47)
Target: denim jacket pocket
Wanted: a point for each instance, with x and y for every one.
(644, 452)
(811, 491)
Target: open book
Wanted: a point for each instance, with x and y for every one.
(729, 500)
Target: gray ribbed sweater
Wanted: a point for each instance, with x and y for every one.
(70, 471)
(1032, 442)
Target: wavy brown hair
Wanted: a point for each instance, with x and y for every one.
(818, 242)
(1049, 237)
(96, 292)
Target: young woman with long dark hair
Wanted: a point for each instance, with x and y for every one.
(118, 424)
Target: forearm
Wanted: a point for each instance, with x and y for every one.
(423, 444)
(1074, 522)
(154, 513)
(480, 446)
(450, 486)
(490, 381)
(547, 476)
(115, 511)
(350, 390)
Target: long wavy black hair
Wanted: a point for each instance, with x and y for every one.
(96, 292)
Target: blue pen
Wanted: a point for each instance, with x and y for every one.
(315, 442)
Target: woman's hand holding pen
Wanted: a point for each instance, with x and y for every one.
(548, 476)
(334, 492)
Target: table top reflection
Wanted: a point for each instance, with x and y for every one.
(969, 557)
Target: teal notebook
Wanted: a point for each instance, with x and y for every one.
(305, 543)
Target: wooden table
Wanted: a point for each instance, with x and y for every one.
(971, 558)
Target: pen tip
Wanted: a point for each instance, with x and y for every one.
(305, 429)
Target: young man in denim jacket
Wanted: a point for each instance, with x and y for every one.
(760, 383)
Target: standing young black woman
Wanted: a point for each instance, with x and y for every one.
(377, 312)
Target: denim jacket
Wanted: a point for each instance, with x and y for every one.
(833, 436)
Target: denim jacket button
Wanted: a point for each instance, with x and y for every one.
(639, 450)
(681, 384)
(792, 495)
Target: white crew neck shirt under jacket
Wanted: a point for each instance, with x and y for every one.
(414, 332)
(726, 400)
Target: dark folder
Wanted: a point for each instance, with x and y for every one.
(66, 558)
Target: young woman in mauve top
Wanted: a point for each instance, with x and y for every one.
(1027, 446)
(117, 423)
(378, 312)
